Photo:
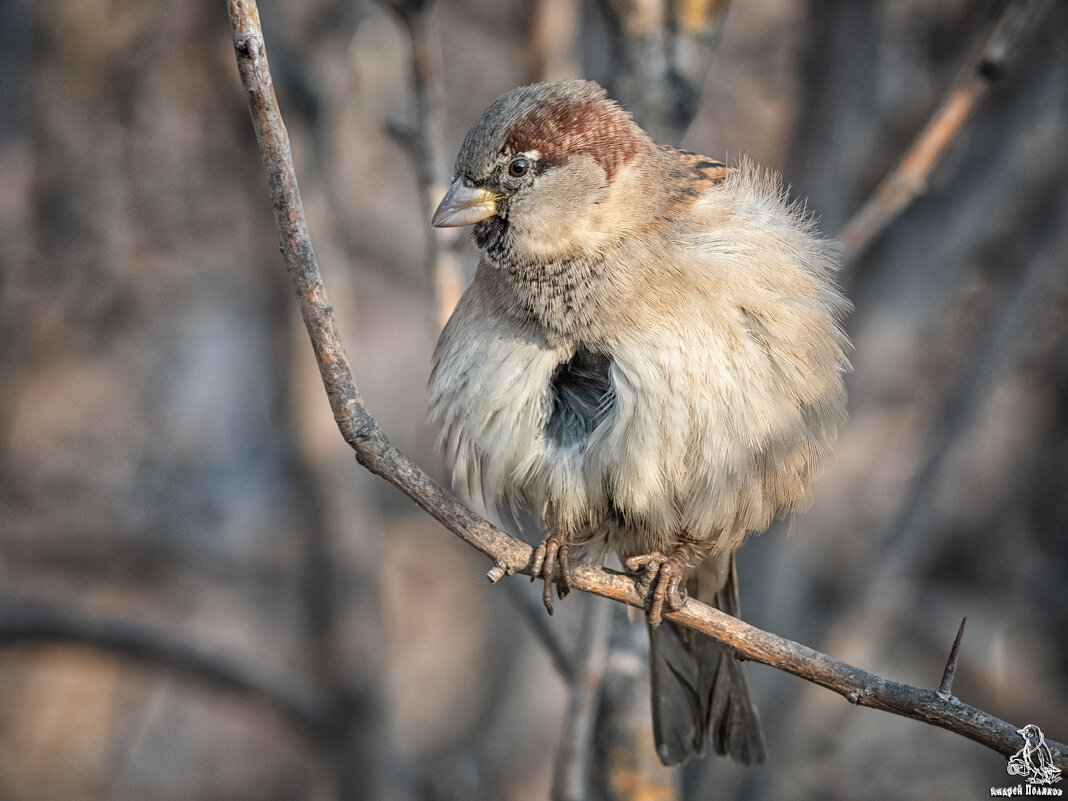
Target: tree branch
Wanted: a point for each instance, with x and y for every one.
(25, 624)
(421, 141)
(571, 778)
(375, 452)
(552, 637)
(662, 52)
(908, 179)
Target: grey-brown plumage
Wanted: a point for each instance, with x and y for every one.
(649, 357)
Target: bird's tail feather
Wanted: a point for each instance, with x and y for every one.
(699, 691)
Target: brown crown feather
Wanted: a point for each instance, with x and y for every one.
(597, 128)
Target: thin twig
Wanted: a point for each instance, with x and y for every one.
(37, 624)
(908, 179)
(375, 452)
(945, 687)
(550, 636)
(422, 144)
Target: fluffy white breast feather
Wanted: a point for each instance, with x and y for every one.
(728, 367)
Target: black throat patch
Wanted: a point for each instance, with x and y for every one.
(491, 235)
(583, 397)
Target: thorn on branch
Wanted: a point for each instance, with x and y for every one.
(945, 689)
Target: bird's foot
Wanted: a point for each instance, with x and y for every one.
(552, 552)
(665, 573)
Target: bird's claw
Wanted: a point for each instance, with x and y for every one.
(665, 573)
(547, 556)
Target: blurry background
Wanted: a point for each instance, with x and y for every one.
(203, 596)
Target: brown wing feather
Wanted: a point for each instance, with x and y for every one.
(692, 175)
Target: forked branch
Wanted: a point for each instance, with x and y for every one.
(908, 179)
(375, 452)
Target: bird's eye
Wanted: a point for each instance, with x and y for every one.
(518, 168)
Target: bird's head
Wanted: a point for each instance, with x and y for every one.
(546, 170)
(1031, 733)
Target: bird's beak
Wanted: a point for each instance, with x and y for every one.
(464, 205)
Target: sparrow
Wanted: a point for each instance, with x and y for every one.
(649, 360)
